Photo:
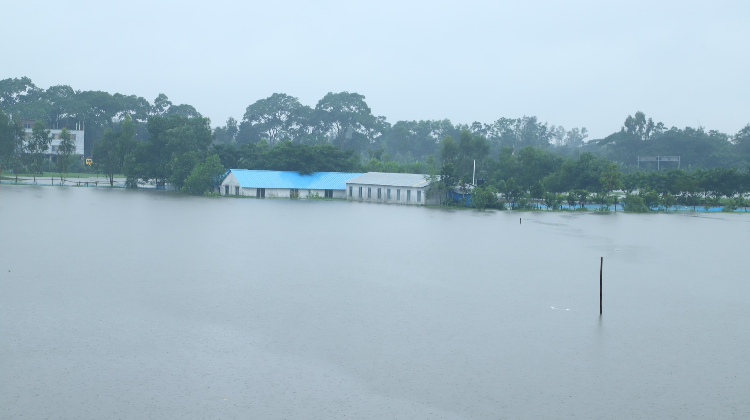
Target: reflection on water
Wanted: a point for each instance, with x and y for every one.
(145, 304)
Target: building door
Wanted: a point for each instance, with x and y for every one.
(226, 190)
(329, 193)
(236, 190)
(260, 192)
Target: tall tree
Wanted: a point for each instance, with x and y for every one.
(105, 154)
(274, 119)
(175, 145)
(348, 121)
(64, 151)
(226, 134)
(111, 152)
(205, 176)
(38, 145)
(11, 142)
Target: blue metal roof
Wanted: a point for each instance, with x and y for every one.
(288, 179)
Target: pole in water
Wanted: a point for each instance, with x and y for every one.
(519, 220)
(601, 265)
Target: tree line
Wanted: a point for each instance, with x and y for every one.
(524, 158)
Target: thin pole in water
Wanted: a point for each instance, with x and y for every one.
(519, 220)
(601, 265)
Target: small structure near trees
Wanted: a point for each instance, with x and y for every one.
(659, 160)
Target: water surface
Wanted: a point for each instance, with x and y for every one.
(148, 304)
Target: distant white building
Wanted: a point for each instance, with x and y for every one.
(75, 135)
(390, 188)
(285, 184)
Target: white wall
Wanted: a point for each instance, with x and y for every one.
(77, 135)
(384, 194)
(231, 181)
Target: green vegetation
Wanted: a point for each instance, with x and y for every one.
(110, 153)
(204, 176)
(65, 151)
(527, 163)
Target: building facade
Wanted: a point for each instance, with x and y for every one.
(75, 135)
(379, 187)
(285, 184)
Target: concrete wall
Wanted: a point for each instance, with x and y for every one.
(395, 199)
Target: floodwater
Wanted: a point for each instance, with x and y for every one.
(149, 304)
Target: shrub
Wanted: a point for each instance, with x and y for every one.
(634, 204)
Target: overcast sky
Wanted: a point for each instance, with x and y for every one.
(571, 63)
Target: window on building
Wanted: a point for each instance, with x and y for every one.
(260, 192)
(379, 196)
(236, 190)
(360, 192)
(73, 137)
(369, 192)
(419, 196)
(398, 195)
(408, 195)
(226, 190)
(26, 125)
(54, 148)
(350, 191)
(329, 193)
(388, 193)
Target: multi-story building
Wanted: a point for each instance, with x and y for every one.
(75, 135)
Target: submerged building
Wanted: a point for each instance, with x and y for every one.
(76, 135)
(285, 184)
(390, 188)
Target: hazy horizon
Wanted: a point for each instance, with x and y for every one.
(587, 64)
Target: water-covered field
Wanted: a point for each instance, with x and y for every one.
(148, 304)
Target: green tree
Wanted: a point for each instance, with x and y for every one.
(553, 200)
(113, 149)
(513, 192)
(650, 198)
(205, 176)
(38, 145)
(226, 134)
(347, 120)
(603, 199)
(634, 203)
(175, 145)
(11, 143)
(571, 198)
(64, 151)
(581, 196)
(106, 155)
(668, 200)
(484, 197)
(610, 179)
(537, 191)
(275, 118)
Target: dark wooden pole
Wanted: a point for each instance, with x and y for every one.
(519, 220)
(601, 265)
